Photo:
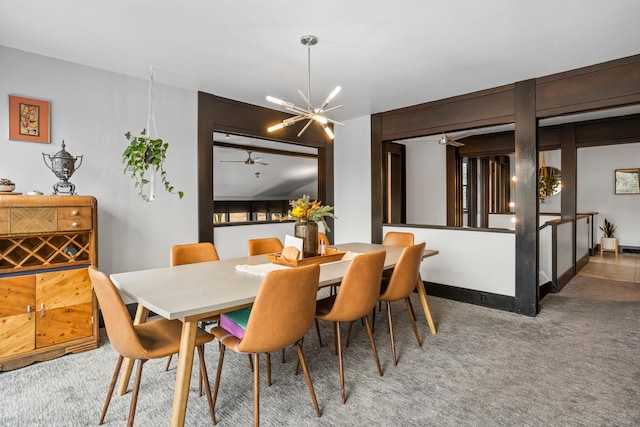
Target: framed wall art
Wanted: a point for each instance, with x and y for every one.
(627, 181)
(28, 119)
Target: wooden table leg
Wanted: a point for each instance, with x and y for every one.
(425, 305)
(141, 316)
(183, 376)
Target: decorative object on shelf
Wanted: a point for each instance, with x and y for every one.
(627, 181)
(6, 185)
(608, 242)
(306, 213)
(63, 165)
(548, 181)
(28, 119)
(146, 154)
(309, 112)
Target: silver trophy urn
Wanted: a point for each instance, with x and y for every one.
(63, 165)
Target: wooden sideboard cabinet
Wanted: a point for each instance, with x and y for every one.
(47, 304)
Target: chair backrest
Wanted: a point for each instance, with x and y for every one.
(360, 287)
(322, 237)
(396, 238)
(283, 311)
(193, 252)
(267, 245)
(117, 321)
(405, 273)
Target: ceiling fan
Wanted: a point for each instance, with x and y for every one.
(446, 140)
(249, 161)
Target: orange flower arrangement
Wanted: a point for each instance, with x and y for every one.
(304, 209)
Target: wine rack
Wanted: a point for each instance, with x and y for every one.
(46, 245)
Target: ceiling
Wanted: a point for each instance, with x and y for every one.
(385, 55)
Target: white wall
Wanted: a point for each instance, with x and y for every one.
(479, 260)
(596, 189)
(426, 183)
(91, 109)
(352, 181)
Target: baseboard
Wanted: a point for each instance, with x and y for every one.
(564, 278)
(629, 249)
(470, 296)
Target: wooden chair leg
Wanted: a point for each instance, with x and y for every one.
(318, 332)
(393, 342)
(134, 396)
(166, 368)
(283, 360)
(268, 369)
(373, 344)
(205, 377)
(303, 362)
(107, 400)
(256, 390)
(250, 362)
(349, 334)
(200, 376)
(340, 362)
(218, 371)
(412, 317)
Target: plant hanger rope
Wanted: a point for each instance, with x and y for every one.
(151, 120)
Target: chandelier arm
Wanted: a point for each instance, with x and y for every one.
(309, 106)
(334, 121)
(297, 110)
(330, 109)
(305, 127)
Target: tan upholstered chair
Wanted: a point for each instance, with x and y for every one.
(358, 294)
(271, 245)
(401, 285)
(151, 340)
(267, 245)
(192, 253)
(396, 238)
(282, 313)
(322, 237)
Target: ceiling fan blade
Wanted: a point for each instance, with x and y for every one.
(232, 161)
(305, 127)
(261, 163)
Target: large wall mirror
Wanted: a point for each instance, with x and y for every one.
(254, 179)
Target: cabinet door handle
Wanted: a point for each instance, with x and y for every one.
(74, 213)
(75, 224)
(42, 310)
(28, 312)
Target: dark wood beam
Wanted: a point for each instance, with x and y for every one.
(526, 155)
(377, 178)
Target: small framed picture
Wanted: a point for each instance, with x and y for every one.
(28, 119)
(627, 181)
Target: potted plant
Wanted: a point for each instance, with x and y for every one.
(608, 242)
(145, 154)
(547, 186)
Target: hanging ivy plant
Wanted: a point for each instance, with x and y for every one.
(145, 154)
(547, 185)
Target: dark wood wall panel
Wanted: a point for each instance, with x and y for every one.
(606, 85)
(484, 108)
(609, 131)
(226, 115)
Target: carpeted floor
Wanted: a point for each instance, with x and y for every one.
(575, 364)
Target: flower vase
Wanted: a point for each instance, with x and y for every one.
(308, 232)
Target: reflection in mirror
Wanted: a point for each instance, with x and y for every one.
(255, 179)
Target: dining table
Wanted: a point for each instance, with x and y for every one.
(194, 292)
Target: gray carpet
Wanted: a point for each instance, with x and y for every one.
(576, 364)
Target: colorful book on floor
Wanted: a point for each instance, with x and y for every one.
(235, 321)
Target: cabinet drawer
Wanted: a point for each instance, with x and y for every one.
(33, 220)
(74, 218)
(74, 224)
(4, 221)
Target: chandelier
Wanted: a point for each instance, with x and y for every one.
(309, 113)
